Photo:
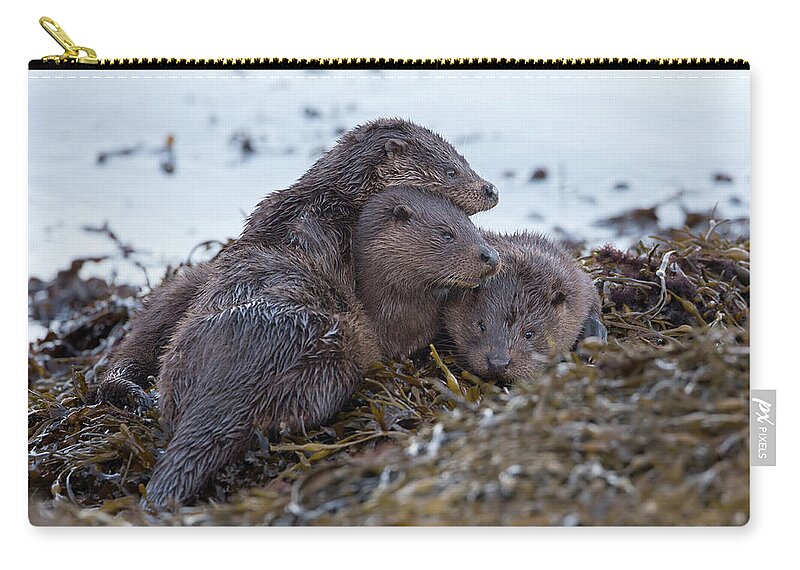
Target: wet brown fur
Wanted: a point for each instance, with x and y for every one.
(364, 161)
(277, 338)
(540, 291)
(410, 249)
(135, 360)
(271, 341)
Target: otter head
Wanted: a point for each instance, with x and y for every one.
(417, 240)
(411, 155)
(516, 322)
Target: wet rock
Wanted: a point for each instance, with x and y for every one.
(540, 173)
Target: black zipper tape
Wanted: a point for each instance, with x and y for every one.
(411, 64)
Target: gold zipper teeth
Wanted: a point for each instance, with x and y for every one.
(452, 62)
(75, 55)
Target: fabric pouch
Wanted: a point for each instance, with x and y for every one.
(350, 292)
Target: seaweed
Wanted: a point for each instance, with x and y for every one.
(657, 293)
(165, 153)
(650, 429)
(68, 293)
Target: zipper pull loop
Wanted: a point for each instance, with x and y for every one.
(72, 52)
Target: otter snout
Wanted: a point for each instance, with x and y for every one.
(490, 192)
(498, 364)
(490, 257)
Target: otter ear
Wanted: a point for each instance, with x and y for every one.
(401, 213)
(558, 298)
(395, 146)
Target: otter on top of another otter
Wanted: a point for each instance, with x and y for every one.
(536, 307)
(277, 339)
(364, 161)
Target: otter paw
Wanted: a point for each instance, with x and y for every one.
(123, 393)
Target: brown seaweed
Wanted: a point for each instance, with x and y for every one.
(651, 429)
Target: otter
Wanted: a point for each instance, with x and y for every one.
(363, 162)
(277, 337)
(409, 251)
(135, 360)
(536, 307)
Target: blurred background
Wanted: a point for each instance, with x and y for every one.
(164, 160)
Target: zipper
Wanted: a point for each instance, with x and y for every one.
(79, 57)
(72, 53)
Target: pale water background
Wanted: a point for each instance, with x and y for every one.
(664, 134)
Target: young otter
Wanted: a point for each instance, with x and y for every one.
(277, 338)
(364, 161)
(535, 308)
(408, 250)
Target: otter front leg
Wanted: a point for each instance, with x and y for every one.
(123, 392)
(124, 383)
(134, 362)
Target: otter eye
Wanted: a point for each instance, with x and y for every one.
(448, 236)
(529, 335)
(451, 172)
(482, 326)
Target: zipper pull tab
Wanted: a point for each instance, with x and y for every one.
(72, 52)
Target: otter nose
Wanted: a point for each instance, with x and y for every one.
(490, 256)
(498, 365)
(490, 191)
